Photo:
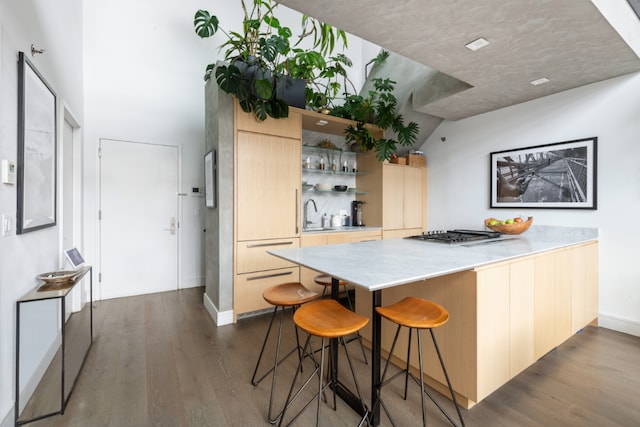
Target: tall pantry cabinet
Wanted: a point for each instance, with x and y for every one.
(267, 204)
(258, 195)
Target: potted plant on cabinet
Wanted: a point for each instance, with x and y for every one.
(263, 64)
(378, 108)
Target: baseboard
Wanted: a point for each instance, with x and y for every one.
(626, 326)
(219, 318)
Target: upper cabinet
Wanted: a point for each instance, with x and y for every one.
(395, 197)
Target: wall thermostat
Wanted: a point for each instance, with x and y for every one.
(8, 172)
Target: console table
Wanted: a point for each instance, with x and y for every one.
(68, 362)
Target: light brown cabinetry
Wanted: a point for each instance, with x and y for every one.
(267, 205)
(502, 317)
(396, 197)
(268, 186)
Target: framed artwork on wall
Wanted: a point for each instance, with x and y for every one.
(37, 134)
(558, 175)
(210, 179)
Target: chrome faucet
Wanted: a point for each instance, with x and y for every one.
(305, 223)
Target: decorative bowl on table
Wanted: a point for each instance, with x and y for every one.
(519, 225)
(57, 277)
(340, 187)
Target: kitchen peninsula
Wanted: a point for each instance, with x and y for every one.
(510, 300)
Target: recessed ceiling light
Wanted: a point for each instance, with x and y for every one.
(477, 44)
(321, 122)
(540, 81)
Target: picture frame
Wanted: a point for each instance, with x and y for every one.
(37, 150)
(210, 166)
(561, 175)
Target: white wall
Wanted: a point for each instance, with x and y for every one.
(143, 82)
(55, 27)
(458, 177)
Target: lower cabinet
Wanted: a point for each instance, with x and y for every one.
(502, 317)
(248, 288)
(257, 270)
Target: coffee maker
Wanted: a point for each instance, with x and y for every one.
(356, 213)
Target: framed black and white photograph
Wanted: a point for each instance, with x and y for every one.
(36, 150)
(558, 175)
(210, 179)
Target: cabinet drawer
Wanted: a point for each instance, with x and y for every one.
(365, 236)
(248, 288)
(252, 256)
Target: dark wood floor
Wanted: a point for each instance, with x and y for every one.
(159, 360)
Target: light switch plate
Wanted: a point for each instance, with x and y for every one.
(8, 172)
(6, 224)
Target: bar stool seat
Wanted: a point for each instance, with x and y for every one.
(326, 319)
(286, 295)
(289, 295)
(325, 280)
(416, 313)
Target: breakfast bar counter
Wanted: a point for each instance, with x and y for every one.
(376, 265)
(510, 300)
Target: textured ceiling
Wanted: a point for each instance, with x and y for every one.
(569, 42)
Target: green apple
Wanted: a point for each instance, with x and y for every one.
(493, 222)
(509, 221)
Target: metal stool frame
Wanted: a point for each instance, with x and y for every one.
(319, 370)
(420, 382)
(277, 361)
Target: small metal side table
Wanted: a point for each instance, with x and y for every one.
(71, 334)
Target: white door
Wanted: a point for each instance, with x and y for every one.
(138, 218)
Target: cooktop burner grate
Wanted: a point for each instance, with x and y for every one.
(455, 236)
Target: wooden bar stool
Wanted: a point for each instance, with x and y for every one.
(326, 319)
(282, 296)
(325, 280)
(418, 314)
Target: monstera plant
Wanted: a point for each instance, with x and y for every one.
(378, 108)
(265, 60)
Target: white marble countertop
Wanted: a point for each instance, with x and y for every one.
(376, 265)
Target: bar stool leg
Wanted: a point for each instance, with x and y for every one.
(277, 360)
(453, 395)
(317, 371)
(422, 389)
(321, 385)
(425, 391)
(406, 376)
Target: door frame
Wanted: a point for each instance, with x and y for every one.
(98, 249)
(77, 196)
(77, 234)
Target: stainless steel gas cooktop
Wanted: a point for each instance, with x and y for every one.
(455, 236)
